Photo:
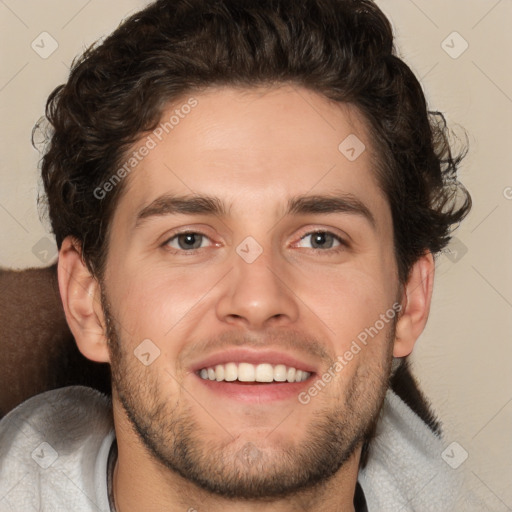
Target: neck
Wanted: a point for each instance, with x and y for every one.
(141, 483)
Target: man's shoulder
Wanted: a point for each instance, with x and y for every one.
(65, 418)
(406, 469)
(56, 445)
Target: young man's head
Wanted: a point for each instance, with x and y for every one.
(247, 198)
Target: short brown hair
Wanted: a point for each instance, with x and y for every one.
(342, 49)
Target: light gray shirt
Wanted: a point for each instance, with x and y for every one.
(54, 451)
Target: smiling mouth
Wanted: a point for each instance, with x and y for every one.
(247, 373)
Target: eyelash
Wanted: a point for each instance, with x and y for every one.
(343, 244)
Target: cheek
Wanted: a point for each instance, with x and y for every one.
(158, 302)
(356, 304)
(348, 300)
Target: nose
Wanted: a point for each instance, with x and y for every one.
(258, 295)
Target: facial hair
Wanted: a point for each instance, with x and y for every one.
(243, 468)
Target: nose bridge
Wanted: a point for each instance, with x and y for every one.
(256, 292)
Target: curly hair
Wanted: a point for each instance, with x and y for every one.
(342, 49)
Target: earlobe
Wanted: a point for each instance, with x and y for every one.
(80, 292)
(415, 306)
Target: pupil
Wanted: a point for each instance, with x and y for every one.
(320, 239)
(190, 240)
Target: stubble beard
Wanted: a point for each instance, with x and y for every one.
(238, 467)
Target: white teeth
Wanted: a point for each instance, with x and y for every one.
(230, 372)
(280, 373)
(264, 373)
(247, 372)
(219, 372)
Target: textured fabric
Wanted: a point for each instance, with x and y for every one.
(54, 450)
(112, 459)
(406, 471)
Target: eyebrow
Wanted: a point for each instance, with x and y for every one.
(169, 204)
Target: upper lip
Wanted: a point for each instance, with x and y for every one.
(245, 355)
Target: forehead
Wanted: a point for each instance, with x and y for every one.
(253, 148)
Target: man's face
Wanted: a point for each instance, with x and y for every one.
(252, 292)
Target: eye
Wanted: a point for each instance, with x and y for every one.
(186, 241)
(324, 240)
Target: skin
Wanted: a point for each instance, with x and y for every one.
(253, 149)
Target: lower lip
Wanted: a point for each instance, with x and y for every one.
(257, 392)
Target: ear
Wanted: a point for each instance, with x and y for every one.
(81, 298)
(415, 305)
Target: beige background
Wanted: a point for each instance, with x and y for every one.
(464, 358)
